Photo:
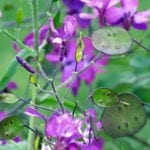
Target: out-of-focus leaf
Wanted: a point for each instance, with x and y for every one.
(126, 118)
(8, 98)
(105, 97)
(112, 40)
(10, 127)
(57, 21)
(13, 67)
(33, 79)
(19, 16)
(14, 146)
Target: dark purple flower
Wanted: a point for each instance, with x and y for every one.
(74, 8)
(127, 15)
(24, 64)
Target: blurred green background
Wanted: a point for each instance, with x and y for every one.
(129, 73)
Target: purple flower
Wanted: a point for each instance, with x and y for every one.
(128, 16)
(100, 9)
(10, 86)
(69, 133)
(74, 8)
(69, 63)
(29, 39)
(65, 32)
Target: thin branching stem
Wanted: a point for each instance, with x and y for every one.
(140, 44)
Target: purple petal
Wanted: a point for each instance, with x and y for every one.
(142, 17)
(90, 113)
(33, 112)
(76, 5)
(95, 145)
(52, 28)
(88, 75)
(130, 5)
(11, 85)
(2, 115)
(113, 2)
(16, 47)
(29, 40)
(70, 25)
(63, 125)
(43, 33)
(113, 15)
(17, 139)
(140, 26)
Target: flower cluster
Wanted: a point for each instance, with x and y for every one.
(112, 12)
(69, 133)
(64, 45)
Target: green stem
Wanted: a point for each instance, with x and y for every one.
(54, 91)
(140, 44)
(35, 89)
(140, 140)
(32, 123)
(36, 25)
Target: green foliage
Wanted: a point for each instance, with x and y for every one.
(13, 67)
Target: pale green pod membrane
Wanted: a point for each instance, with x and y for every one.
(104, 97)
(126, 118)
(8, 98)
(10, 127)
(112, 40)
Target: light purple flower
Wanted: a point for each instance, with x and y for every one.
(65, 32)
(127, 15)
(69, 133)
(69, 63)
(100, 8)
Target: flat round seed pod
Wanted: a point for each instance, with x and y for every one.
(111, 40)
(10, 127)
(125, 118)
(104, 97)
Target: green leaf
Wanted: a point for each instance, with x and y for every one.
(112, 40)
(10, 127)
(126, 118)
(13, 67)
(8, 98)
(104, 97)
